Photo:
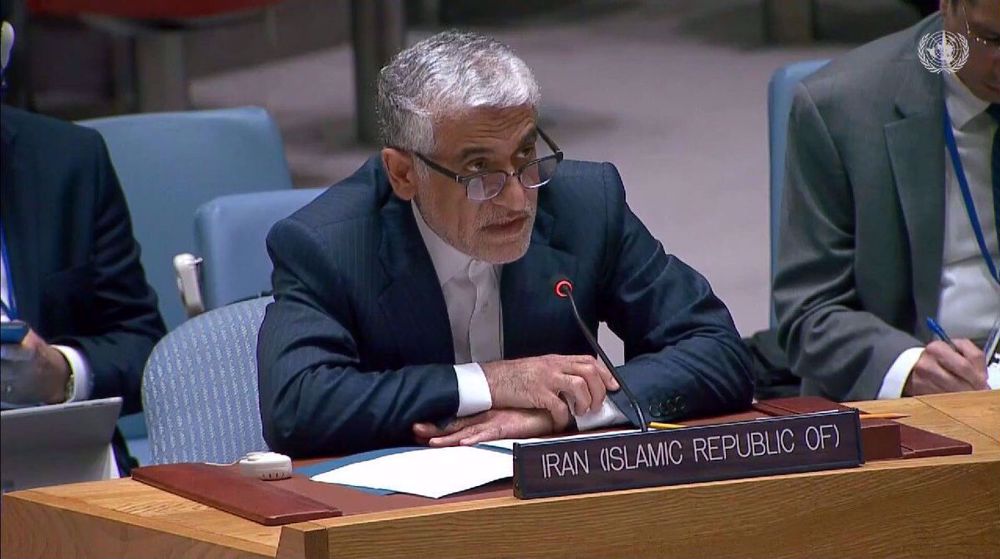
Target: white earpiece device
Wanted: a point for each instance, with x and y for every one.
(267, 466)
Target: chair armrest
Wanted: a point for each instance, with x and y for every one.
(188, 270)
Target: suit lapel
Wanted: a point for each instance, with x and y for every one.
(532, 314)
(19, 212)
(412, 302)
(916, 154)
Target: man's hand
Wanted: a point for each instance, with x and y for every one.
(489, 426)
(32, 372)
(550, 382)
(942, 369)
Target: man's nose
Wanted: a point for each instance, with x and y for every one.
(514, 196)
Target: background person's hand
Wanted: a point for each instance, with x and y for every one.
(489, 426)
(550, 382)
(942, 369)
(32, 372)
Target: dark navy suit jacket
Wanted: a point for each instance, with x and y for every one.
(74, 262)
(357, 346)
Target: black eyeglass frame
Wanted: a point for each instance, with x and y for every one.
(557, 155)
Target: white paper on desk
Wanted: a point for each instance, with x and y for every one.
(508, 444)
(434, 472)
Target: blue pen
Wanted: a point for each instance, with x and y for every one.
(940, 333)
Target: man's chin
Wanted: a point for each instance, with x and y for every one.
(504, 253)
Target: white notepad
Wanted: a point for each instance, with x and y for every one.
(434, 472)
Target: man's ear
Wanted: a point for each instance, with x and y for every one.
(402, 174)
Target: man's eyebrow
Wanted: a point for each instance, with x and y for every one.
(470, 151)
(990, 32)
(531, 135)
(982, 28)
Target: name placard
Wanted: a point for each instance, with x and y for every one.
(759, 447)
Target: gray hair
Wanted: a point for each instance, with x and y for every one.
(448, 73)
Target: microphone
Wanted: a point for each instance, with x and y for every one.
(564, 290)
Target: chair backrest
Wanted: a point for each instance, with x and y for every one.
(200, 387)
(230, 234)
(780, 92)
(171, 163)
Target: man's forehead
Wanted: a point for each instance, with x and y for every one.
(485, 129)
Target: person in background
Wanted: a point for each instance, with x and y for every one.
(887, 282)
(414, 300)
(69, 269)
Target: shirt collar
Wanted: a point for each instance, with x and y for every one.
(963, 105)
(448, 261)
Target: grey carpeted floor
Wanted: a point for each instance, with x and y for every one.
(673, 92)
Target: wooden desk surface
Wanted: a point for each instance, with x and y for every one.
(931, 507)
(980, 411)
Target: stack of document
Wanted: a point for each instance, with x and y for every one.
(432, 472)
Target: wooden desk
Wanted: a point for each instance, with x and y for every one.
(981, 412)
(931, 507)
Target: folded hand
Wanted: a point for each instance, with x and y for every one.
(489, 426)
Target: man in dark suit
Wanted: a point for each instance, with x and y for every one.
(877, 234)
(70, 270)
(414, 300)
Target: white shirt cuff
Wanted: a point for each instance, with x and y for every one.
(81, 373)
(473, 390)
(608, 414)
(899, 373)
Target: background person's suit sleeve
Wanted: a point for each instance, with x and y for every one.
(683, 355)
(826, 336)
(122, 321)
(314, 398)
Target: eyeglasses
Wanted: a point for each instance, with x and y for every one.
(988, 43)
(488, 184)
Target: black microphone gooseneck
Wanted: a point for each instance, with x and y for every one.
(564, 289)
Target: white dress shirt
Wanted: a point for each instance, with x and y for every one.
(77, 362)
(471, 291)
(969, 301)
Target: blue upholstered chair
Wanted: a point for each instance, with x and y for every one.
(780, 92)
(200, 387)
(230, 234)
(171, 163)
